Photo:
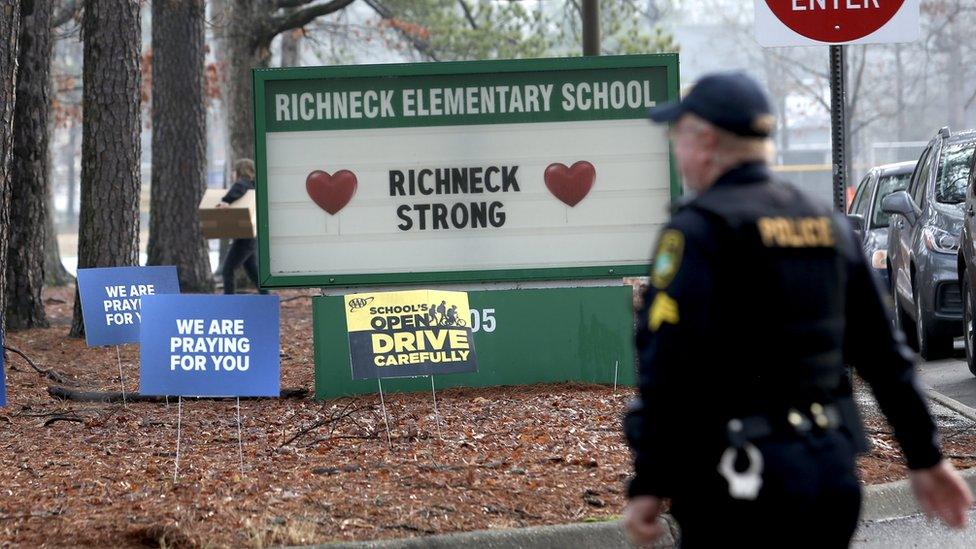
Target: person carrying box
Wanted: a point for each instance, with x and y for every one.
(243, 251)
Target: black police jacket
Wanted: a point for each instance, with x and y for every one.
(757, 299)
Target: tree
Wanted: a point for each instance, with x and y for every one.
(108, 233)
(244, 31)
(54, 272)
(179, 142)
(30, 171)
(9, 34)
(441, 30)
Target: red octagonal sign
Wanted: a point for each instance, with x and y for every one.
(834, 20)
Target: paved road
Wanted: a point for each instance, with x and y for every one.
(913, 531)
(952, 378)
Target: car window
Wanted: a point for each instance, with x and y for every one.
(954, 173)
(886, 185)
(859, 204)
(917, 180)
(918, 186)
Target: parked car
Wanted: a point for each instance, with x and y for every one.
(867, 217)
(923, 244)
(967, 267)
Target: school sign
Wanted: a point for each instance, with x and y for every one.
(431, 174)
(458, 172)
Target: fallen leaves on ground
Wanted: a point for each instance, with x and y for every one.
(102, 474)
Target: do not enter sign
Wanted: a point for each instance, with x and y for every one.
(811, 22)
(835, 20)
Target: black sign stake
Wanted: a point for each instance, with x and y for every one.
(838, 125)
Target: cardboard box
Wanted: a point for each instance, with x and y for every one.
(239, 220)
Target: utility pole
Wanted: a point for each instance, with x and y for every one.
(590, 13)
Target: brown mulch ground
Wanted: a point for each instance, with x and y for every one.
(884, 463)
(102, 474)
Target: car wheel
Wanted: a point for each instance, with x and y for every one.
(968, 319)
(930, 346)
(903, 323)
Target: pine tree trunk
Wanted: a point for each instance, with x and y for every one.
(179, 142)
(108, 233)
(69, 159)
(9, 33)
(30, 170)
(242, 44)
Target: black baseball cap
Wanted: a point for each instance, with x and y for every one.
(732, 101)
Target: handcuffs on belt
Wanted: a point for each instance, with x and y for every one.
(746, 485)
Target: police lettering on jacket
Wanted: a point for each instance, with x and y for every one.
(799, 232)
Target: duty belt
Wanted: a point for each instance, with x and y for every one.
(794, 421)
(745, 485)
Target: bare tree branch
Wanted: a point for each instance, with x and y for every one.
(422, 46)
(468, 15)
(63, 393)
(788, 64)
(299, 18)
(856, 128)
(292, 3)
(858, 80)
(792, 63)
(48, 373)
(969, 101)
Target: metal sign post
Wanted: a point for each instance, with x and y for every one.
(240, 438)
(616, 365)
(386, 421)
(780, 23)
(437, 416)
(179, 433)
(838, 125)
(118, 355)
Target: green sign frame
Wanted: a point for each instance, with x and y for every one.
(263, 79)
(550, 335)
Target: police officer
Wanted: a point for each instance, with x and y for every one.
(757, 299)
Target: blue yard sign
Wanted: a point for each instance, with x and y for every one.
(210, 346)
(111, 300)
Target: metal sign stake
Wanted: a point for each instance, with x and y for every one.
(179, 431)
(616, 363)
(118, 355)
(240, 441)
(437, 416)
(386, 421)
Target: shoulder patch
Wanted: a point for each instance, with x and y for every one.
(663, 310)
(667, 258)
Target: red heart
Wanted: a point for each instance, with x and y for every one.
(331, 192)
(571, 185)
